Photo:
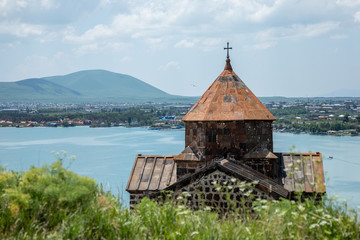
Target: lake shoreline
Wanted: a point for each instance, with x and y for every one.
(332, 133)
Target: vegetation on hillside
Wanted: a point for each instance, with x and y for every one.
(294, 118)
(52, 202)
(300, 119)
(138, 115)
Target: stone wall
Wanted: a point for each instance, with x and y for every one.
(216, 190)
(268, 167)
(135, 198)
(228, 139)
(220, 192)
(186, 167)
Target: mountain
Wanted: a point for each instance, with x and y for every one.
(86, 86)
(343, 93)
(100, 83)
(34, 89)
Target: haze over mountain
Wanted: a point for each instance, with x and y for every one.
(100, 86)
(85, 86)
(343, 93)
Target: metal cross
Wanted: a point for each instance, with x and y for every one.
(227, 48)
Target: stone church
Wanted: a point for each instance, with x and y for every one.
(228, 143)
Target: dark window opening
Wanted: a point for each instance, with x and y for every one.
(211, 135)
(243, 146)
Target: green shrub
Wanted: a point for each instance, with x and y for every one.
(44, 196)
(51, 202)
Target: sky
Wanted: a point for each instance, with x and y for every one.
(286, 48)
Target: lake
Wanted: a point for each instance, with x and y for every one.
(107, 154)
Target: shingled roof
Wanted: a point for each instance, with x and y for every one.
(300, 172)
(228, 99)
(303, 172)
(151, 172)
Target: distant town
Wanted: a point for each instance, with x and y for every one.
(330, 117)
(315, 116)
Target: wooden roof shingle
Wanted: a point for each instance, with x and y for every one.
(303, 172)
(151, 172)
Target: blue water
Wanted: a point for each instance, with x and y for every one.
(107, 154)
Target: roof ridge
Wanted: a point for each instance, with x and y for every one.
(213, 105)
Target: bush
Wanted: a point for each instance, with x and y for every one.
(52, 202)
(42, 197)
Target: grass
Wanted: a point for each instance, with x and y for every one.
(53, 203)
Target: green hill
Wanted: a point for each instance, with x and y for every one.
(86, 86)
(35, 89)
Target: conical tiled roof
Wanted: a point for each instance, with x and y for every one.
(228, 99)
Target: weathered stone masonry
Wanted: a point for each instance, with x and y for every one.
(228, 138)
(220, 191)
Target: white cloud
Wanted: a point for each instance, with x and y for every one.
(9, 6)
(313, 30)
(21, 3)
(171, 64)
(186, 43)
(7, 45)
(34, 64)
(242, 11)
(154, 40)
(45, 12)
(99, 31)
(88, 48)
(203, 43)
(297, 31)
(152, 18)
(59, 55)
(158, 19)
(357, 17)
(36, 58)
(340, 36)
(208, 44)
(184, 24)
(162, 24)
(125, 58)
(98, 47)
(39, 21)
(348, 3)
(49, 4)
(20, 29)
(260, 46)
(259, 11)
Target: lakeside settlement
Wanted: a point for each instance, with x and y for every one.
(330, 116)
